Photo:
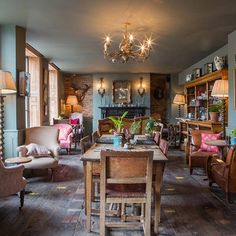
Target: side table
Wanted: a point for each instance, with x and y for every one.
(18, 160)
(220, 143)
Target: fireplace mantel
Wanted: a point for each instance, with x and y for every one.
(117, 111)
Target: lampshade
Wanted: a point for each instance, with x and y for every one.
(7, 84)
(220, 89)
(179, 99)
(72, 100)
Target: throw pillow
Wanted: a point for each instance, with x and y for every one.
(209, 137)
(36, 150)
(74, 121)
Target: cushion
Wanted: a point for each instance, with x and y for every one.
(208, 137)
(36, 150)
(74, 121)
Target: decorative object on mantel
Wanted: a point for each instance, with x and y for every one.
(72, 101)
(141, 89)
(101, 89)
(221, 90)
(220, 62)
(179, 99)
(197, 72)
(129, 47)
(188, 77)
(208, 68)
(7, 87)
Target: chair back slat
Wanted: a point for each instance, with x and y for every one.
(129, 166)
(85, 144)
(164, 146)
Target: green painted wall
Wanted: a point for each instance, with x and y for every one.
(107, 99)
(13, 60)
(232, 76)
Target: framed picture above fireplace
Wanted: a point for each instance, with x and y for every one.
(121, 91)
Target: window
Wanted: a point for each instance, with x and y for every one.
(32, 107)
(53, 93)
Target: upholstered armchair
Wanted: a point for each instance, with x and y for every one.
(65, 136)
(223, 173)
(46, 136)
(199, 151)
(12, 181)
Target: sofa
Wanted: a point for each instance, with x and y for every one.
(46, 136)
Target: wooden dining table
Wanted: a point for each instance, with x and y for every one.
(93, 155)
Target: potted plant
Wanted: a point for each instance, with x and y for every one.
(214, 111)
(118, 123)
(135, 128)
(150, 128)
(233, 137)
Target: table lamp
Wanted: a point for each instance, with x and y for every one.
(72, 100)
(221, 90)
(7, 87)
(179, 99)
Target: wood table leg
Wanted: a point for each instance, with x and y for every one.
(88, 194)
(157, 195)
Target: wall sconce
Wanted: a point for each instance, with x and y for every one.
(141, 89)
(101, 89)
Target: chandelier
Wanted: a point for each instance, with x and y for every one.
(129, 48)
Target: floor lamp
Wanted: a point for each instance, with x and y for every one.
(179, 99)
(7, 87)
(221, 90)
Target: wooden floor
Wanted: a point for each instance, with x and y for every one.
(56, 208)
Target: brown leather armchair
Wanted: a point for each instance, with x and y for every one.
(198, 157)
(223, 173)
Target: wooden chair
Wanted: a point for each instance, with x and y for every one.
(223, 173)
(164, 145)
(104, 126)
(198, 157)
(157, 137)
(85, 144)
(159, 128)
(95, 136)
(117, 169)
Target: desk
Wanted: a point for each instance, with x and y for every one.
(93, 155)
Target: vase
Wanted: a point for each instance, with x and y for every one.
(233, 140)
(214, 116)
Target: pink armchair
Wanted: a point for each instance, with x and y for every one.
(65, 136)
(12, 181)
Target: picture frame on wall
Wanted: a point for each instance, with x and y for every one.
(121, 91)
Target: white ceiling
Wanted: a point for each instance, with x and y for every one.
(70, 32)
